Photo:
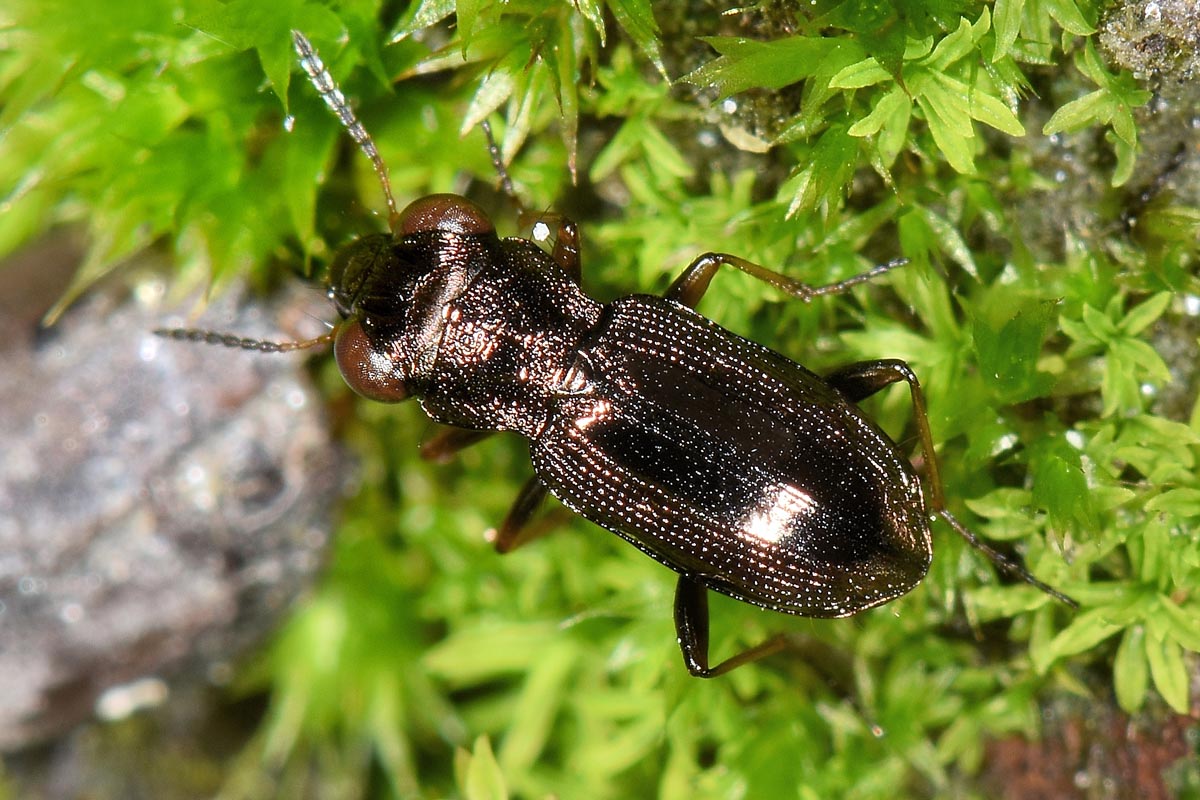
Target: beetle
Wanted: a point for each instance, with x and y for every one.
(741, 470)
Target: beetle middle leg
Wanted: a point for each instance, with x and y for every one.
(863, 379)
(690, 286)
(445, 444)
(517, 527)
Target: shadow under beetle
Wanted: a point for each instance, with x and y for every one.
(739, 469)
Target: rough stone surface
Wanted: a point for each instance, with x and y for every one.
(161, 503)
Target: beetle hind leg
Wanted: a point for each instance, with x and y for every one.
(863, 379)
(831, 666)
(691, 628)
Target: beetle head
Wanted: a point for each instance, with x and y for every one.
(393, 291)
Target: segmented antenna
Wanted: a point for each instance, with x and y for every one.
(325, 85)
(525, 217)
(333, 97)
(506, 184)
(238, 343)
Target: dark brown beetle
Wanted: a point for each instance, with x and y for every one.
(739, 469)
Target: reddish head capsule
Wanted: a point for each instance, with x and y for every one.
(392, 289)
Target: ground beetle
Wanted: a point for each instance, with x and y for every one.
(739, 469)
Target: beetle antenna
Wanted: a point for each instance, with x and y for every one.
(327, 87)
(506, 183)
(525, 217)
(239, 343)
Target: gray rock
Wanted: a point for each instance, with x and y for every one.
(161, 503)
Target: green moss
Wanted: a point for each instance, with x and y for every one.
(1030, 314)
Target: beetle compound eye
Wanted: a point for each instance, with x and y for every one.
(365, 370)
(448, 213)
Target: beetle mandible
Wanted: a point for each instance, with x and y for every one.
(736, 467)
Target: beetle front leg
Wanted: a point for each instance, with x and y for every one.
(566, 241)
(691, 629)
(690, 286)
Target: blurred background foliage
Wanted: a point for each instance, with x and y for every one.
(1050, 310)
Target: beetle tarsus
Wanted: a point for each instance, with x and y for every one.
(1003, 562)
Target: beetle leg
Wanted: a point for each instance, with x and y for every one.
(690, 286)
(566, 249)
(865, 378)
(515, 530)
(442, 446)
(861, 380)
(566, 240)
(691, 629)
